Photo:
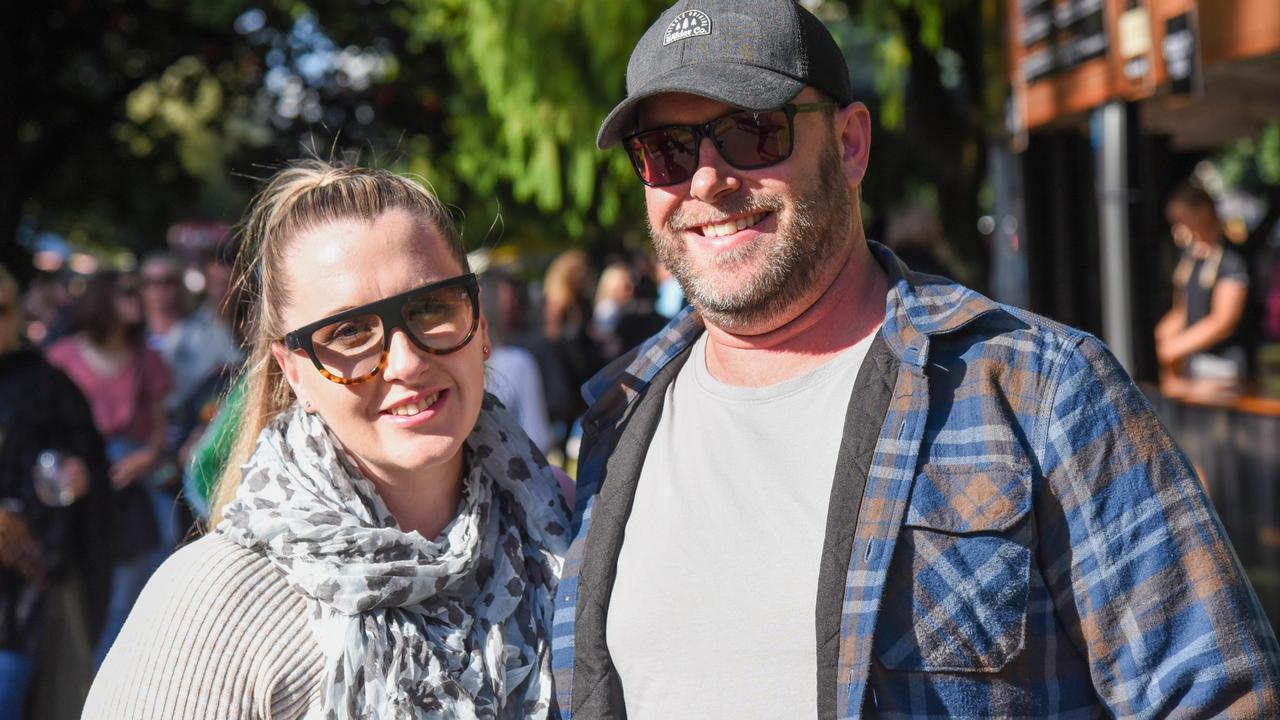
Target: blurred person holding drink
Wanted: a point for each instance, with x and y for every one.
(50, 457)
(386, 540)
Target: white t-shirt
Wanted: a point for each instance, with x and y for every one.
(713, 607)
(515, 380)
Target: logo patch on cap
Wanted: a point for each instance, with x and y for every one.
(690, 23)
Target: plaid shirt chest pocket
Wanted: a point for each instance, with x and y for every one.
(955, 598)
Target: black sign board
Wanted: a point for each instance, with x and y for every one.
(1082, 31)
(1182, 54)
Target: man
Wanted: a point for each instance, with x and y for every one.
(162, 300)
(835, 488)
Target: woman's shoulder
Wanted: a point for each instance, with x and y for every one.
(216, 568)
(216, 633)
(63, 350)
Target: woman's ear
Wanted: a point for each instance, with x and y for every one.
(482, 334)
(289, 368)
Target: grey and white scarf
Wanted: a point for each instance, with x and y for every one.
(456, 627)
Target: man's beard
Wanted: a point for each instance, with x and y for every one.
(782, 271)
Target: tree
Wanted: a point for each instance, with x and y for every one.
(138, 113)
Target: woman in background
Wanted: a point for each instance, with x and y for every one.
(106, 355)
(387, 540)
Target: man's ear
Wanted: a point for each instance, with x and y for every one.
(853, 132)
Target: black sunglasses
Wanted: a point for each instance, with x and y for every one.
(747, 140)
(351, 346)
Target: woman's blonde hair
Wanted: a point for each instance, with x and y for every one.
(305, 195)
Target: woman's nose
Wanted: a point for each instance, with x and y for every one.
(405, 361)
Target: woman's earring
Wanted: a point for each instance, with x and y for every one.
(486, 350)
(306, 405)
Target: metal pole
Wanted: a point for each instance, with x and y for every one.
(1111, 152)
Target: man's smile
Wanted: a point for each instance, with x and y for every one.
(730, 226)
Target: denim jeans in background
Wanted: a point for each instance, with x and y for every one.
(129, 576)
(15, 677)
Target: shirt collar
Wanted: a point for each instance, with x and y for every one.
(917, 307)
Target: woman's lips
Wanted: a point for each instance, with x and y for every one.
(418, 411)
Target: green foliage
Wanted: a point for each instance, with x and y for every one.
(1252, 164)
(539, 78)
(140, 113)
(896, 26)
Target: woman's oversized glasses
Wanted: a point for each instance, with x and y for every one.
(351, 346)
(747, 140)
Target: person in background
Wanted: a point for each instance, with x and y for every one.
(163, 301)
(837, 488)
(208, 453)
(613, 292)
(914, 233)
(205, 346)
(1201, 338)
(637, 317)
(48, 302)
(125, 382)
(567, 288)
(43, 521)
(524, 330)
(515, 378)
(670, 295)
(386, 540)
(205, 357)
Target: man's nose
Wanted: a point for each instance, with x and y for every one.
(714, 177)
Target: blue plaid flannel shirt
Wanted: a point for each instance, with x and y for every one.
(1030, 544)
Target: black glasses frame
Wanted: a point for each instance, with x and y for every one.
(708, 130)
(390, 312)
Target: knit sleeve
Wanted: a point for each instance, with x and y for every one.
(216, 634)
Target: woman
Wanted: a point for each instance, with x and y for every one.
(567, 288)
(1200, 337)
(125, 383)
(394, 545)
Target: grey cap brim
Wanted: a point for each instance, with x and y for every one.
(745, 86)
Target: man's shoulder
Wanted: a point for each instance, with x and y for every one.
(952, 313)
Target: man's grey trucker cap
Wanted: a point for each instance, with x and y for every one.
(752, 54)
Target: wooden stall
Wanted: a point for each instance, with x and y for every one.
(1111, 103)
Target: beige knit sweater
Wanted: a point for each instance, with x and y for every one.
(216, 635)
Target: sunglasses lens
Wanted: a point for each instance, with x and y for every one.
(664, 156)
(440, 320)
(746, 140)
(350, 348)
(753, 140)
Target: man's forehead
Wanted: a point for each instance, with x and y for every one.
(669, 108)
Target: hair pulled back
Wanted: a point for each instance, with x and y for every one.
(303, 196)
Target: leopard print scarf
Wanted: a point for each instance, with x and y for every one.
(455, 627)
